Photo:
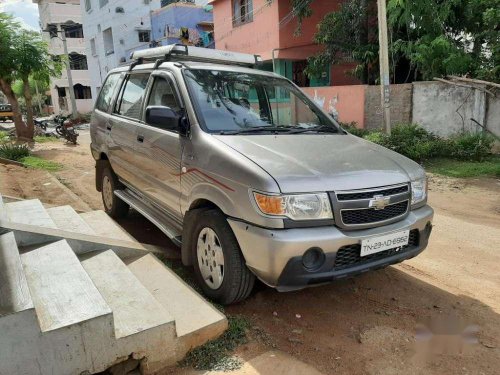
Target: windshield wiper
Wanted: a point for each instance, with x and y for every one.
(319, 129)
(257, 129)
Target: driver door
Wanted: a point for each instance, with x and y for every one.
(159, 149)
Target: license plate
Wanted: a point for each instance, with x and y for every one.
(386, 242)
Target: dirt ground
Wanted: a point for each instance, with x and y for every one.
(418, 317)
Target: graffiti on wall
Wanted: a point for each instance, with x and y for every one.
(331, 107)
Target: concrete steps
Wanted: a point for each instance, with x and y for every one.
(134, 308)
(62, 292)
(103, 225)
(66, 218)
(63, 313)
(29, 212)
(14, 291)
(195, 319)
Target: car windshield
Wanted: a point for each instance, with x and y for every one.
(237, 103)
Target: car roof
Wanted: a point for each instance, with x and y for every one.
(196, 65)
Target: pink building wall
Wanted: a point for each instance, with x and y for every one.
(264, 33)
(257, 37)
(299, 46)
(347, 101)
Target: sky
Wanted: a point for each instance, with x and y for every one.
(23, 11)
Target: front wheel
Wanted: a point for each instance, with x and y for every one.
(113, 205)
(219, 265)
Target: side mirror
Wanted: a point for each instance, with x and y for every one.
(162, 117)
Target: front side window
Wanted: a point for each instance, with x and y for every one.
(233, 102)
(131, 97)
(162, 94)
(106, 93)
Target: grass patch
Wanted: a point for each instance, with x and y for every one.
(14, 152)
(4, 136)
(215, 355)
(489, 167)
(45, 139)
(38, 163)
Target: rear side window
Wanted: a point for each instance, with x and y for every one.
(106, 93)
(129, 103)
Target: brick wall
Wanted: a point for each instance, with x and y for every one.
(401, 105)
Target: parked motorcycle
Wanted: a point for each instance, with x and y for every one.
(42, 124)
(65, 128)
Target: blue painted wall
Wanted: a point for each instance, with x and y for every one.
(167, 22)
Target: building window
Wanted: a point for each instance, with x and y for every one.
(78, 62)
(144, 36)
(107, 37)
(82, 92)
(88, 5)
(93, 50)
(73, 31)
(242, 12)
(102, 3)
(52, 30)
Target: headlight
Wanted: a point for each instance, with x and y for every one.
(295, 206)
(418, 191)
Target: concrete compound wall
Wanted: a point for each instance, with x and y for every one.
(441, 108)
(401, 108)
(346, 101)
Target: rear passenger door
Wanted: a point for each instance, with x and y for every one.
(159, 148)
(122, 127)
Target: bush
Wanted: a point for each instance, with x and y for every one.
(416, 143)
(14, 152)
(351, 128)
(377, 137)
(471, 146)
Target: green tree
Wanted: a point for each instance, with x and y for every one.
(38, 88)
(24, 55)
(428, 38)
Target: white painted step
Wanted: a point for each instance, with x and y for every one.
(66, 218)
(14, 291)
(105, 226)
(62, 292)
(29, 212)
(134, 308)
(3, 213)
(192, 313)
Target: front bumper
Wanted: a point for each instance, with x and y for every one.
(275, 255)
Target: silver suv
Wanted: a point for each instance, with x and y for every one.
(249, 176)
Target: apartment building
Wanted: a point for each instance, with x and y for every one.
(267, 28)
(113, 29)
(56, 18)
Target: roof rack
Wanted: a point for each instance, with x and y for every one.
(181, 52)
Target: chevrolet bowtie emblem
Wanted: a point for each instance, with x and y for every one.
(379, 202)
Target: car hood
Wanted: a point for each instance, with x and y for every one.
(324, 162)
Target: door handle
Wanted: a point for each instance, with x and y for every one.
(140, 138)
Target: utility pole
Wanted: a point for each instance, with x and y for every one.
(68, 72)
(384, 65)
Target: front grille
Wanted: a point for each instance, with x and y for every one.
(348, 256)
(370, 194)
(371, 215)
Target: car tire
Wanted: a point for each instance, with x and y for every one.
(237, 280)
(114, 206)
